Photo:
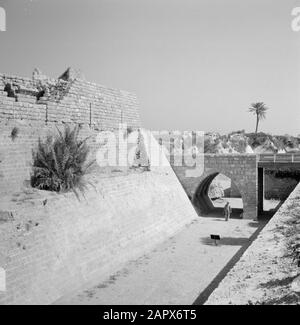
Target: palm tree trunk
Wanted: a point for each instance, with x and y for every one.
(257, 120)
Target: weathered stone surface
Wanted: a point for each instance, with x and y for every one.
(70, 99)
(52, 248)
(74, 101)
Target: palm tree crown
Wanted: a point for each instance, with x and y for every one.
(259, 109)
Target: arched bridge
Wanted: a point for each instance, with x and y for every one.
(245, 170)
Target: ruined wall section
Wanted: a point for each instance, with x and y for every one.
(93, 107)
(50, 243)
(69, 101)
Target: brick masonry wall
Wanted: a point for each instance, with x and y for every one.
(94, 107)
(234, 191)
(90, 103)
(51, 244)
(16, 154)
(274, 188)
(49, 249)
(77, 101)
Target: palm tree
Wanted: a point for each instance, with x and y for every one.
(59, 163)
(259, 109)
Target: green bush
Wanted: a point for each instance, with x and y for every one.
(59, 163)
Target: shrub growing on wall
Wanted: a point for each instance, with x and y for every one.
(59, 162)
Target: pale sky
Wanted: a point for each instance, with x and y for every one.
(194, 64)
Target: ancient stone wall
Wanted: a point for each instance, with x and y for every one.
(25, 117)
(51, 244)
(68, 101)
(18, 139)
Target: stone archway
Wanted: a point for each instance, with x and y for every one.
(203, 204)
(241, 169)
(200, 199)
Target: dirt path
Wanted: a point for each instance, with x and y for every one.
(176, 271)
(266, 273)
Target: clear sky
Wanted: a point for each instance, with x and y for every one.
(194, 64)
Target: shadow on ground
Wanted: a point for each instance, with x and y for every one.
(288, 299)
(231, 241)
(278, 282)
(219, 212)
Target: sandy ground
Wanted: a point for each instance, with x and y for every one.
(176, 271)
(266, 273)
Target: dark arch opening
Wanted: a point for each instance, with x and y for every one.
(214, 206)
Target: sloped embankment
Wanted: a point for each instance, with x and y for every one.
(266, 273)
(52, 244)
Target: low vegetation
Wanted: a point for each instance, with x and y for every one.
(59, 163)
(291, 231)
